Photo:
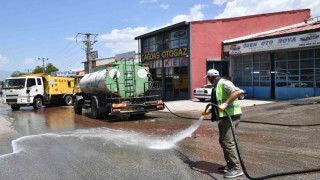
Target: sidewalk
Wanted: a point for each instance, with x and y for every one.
(196, 105)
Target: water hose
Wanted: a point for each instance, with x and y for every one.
(241, 160)
(252, 122)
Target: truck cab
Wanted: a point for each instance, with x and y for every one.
(23, 91)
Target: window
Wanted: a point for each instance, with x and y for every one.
(298, 69)
(31, 82)
(14, 83)
(39, 81)
(261, 70)
(242, 75)
(175, 39)
(69, 84)
(292, 55)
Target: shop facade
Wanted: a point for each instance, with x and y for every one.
(167, 54)
(280, 65)
(179, 55)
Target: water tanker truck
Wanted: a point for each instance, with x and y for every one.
(123, 88)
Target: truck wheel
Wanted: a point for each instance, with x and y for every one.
(77, 107)
(68, 100)
(37, 103)
(94, 109)
(15, 107)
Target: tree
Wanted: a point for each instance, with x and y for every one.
(17, 74)
(37, 69)
(51, 68)
(48, 69)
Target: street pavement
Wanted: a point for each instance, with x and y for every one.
(55, 143)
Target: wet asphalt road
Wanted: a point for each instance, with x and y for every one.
(54, 143)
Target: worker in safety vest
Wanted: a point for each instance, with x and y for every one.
(225, 94)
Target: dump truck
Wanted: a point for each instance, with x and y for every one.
(37, 90)
(122, 88)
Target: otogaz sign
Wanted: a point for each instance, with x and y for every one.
(165, 54)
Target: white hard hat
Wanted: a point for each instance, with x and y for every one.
(212, 72)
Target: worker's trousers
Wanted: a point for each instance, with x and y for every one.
(227, 142)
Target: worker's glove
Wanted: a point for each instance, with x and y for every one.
(205, 112)
(222, 107)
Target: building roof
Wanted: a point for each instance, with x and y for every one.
(288, 30)
(181, 24)
(184, 23)
(250, 16)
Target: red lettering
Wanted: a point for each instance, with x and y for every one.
(167, 63)
(184, 61)
(174, 63)
(152, 64)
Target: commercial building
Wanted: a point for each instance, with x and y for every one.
(282, 64)
(179, 55)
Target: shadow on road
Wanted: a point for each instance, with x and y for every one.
(203, 167)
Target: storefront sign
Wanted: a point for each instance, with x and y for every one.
(302, 40)
(165, 54)
(155, 64)
(172, 62)
(64, 73)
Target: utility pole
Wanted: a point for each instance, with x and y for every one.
(88, 43)
(43, 59)
(28, 71)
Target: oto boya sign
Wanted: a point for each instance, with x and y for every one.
(165, 54)
(302, 40)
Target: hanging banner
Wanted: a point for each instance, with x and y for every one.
(302, 40)
(64, 73)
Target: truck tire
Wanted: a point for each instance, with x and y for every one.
(94, 109)
(77, 106)
(15, 107)
(68, 100)
(37, 103)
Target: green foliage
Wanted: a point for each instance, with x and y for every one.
(17, 74)
(51, 68)
(48, 69)
(37, 69)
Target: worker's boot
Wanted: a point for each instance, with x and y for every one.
(232, 173)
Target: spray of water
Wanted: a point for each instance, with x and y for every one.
(170, 142)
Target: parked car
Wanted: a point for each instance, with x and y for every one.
(243, 94)
(204, 93)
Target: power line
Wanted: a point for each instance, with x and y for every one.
(89, 43)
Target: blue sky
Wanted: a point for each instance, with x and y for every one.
(30, 29)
